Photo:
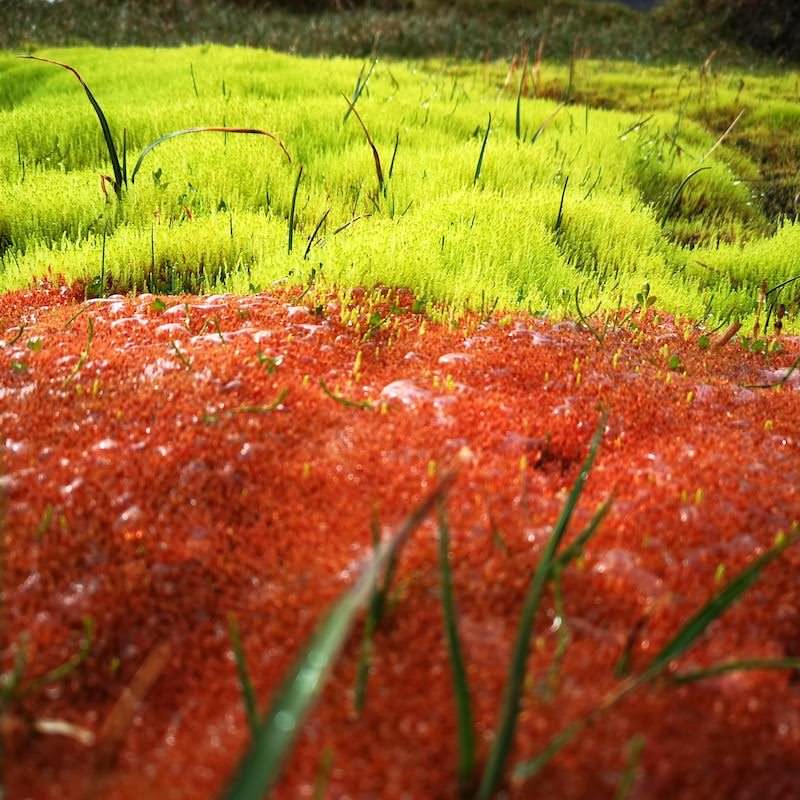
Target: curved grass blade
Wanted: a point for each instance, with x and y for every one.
(290, 242)
(724, 136)
(313, 236)
(479, 165)
(119, 175)
(70, 665)
(260, 767)
(742, 665)
(684, 639)
(466, 725)
(584, 320)
(212, 129)
(364, 405)
(773, 303)
(678, 191)
(788, 374)
(243, 674)
(375, 154)
(512, 693)
(714, 609)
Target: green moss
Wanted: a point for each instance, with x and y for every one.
(210, 211)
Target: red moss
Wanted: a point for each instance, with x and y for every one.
(143, 490)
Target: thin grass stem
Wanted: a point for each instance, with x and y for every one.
(512, 693)
(290, 242)
(479, 165)
(465, 723)
(243, 674)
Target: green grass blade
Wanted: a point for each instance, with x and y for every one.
(125, 156)
(394, 154)
(376, 156)
(576, 548)
(687, 635)
(10, 681)
(740, 665)
(632, 759)
(546, 123)
(466, 725)
(70, 665)
(560, 216)
(313, 236)
(563, 636)
(213, 129)
(364, 405)
(518, 116)
(714, 609)
(374, 615)
(531, 768)
(509, 714)
(323, 774)
(359, 87)
(260, 767)
(243, 674)
(479, 165)
(675, 197)
(290, 237)
(119, 177)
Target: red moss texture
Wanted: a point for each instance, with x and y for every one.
(152, 483)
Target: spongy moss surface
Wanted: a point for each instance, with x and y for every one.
(210, 211)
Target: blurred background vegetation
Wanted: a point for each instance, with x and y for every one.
(739, 32)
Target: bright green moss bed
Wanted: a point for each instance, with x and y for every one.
(210, 212)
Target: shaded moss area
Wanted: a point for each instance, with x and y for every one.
(412, 29)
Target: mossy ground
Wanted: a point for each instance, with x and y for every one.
(211, 212)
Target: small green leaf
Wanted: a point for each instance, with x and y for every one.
(704, 342)
(158, 305)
